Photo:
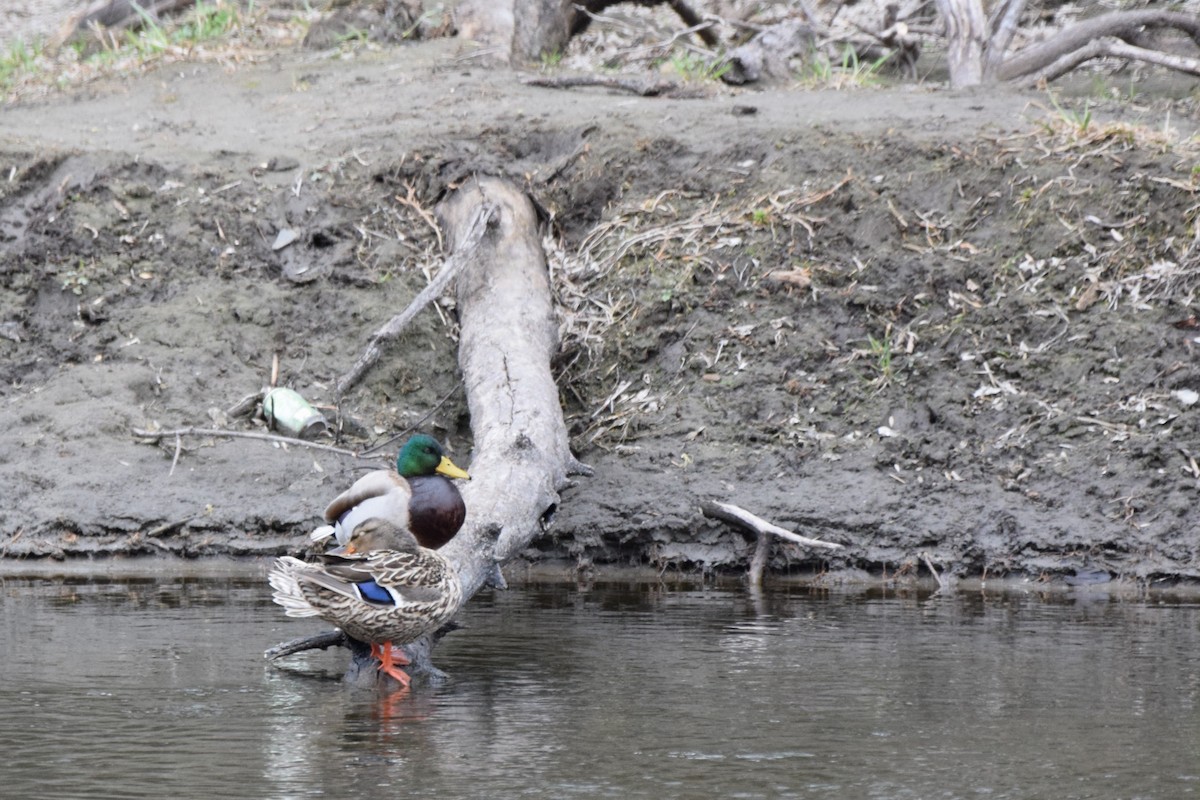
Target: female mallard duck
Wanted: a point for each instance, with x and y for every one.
(416, 497)
(381, 587)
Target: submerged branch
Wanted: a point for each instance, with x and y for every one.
(318, 641)
(735, 515)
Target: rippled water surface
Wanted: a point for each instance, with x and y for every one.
(156, 687)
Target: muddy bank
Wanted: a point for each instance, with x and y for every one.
(908, 321)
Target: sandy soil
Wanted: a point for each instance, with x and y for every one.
(915, 322)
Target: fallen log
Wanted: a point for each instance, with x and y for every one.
(508, 334)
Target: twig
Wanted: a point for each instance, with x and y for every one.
(396, 325)
(178, 450)
(632, 85)
(168, 527)
(739, 516)
(402, 434)
(411, 202)
(929, 563)
(735, 515)
(696, 23)
(265, 437)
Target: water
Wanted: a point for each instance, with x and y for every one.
(156, 687)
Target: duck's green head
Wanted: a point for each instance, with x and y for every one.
(422, 455)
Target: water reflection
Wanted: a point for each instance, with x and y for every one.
(155, 687)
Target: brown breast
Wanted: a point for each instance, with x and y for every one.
(436, 510)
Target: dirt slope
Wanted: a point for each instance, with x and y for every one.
(907, 320)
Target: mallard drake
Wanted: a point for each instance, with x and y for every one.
(416, 497)
(381, 587)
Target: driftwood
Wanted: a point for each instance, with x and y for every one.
(508, 336)
(521, 457)
(764, 530)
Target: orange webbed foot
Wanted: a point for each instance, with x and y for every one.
(390, 661)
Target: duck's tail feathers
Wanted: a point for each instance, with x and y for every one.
(283, 579)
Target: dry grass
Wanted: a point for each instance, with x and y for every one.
(218, 31)
(650, 251)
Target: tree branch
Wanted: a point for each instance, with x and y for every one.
(736, 515)
(318, 641)
(742, 518)
(1057, 55)
(155, 436)
(1003, 27)
(1109, 48)
(392, 329)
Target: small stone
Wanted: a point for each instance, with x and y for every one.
(1186, 397)
(282, 239)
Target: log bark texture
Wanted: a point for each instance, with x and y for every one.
(508, 335)
(966, 40)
